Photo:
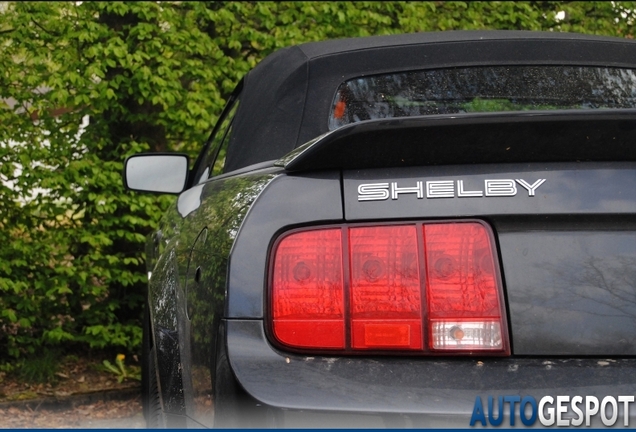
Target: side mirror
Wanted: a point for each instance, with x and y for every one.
(156, 172)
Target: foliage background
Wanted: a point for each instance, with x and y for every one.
(152, 76)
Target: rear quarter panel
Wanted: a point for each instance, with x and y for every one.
(187, 288)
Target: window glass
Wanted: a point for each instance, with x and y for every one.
(212, 149)
(482, 89)
(219, 163)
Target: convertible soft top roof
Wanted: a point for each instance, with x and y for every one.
(286, 98)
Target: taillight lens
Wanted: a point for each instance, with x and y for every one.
(423, 287)
(386, 307)
(309, 293)
(463, 296)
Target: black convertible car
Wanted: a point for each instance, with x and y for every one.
(434, 229)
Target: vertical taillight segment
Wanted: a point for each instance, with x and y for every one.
(308, 295)
(386, 307)
(462, 288)
(419, 287)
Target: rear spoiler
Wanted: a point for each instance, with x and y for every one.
(450, 139)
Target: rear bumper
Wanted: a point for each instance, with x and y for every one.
(296, 390)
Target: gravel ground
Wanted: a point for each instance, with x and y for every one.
(82, 395)
(99, 411)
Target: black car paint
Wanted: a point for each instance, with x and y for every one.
(209, 263)
(266, 377)
(188, 283)
(572, 207)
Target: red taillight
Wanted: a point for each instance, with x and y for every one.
(462, 289)
(425, 288)
(385, 308)
(309, 294)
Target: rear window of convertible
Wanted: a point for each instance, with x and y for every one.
(482, 89)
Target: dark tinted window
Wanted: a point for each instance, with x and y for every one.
(215, 150)
(219, 163)
(482, 89)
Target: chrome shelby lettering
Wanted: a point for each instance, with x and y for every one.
(445, 189)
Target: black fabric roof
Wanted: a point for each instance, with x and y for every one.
(287, 97)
